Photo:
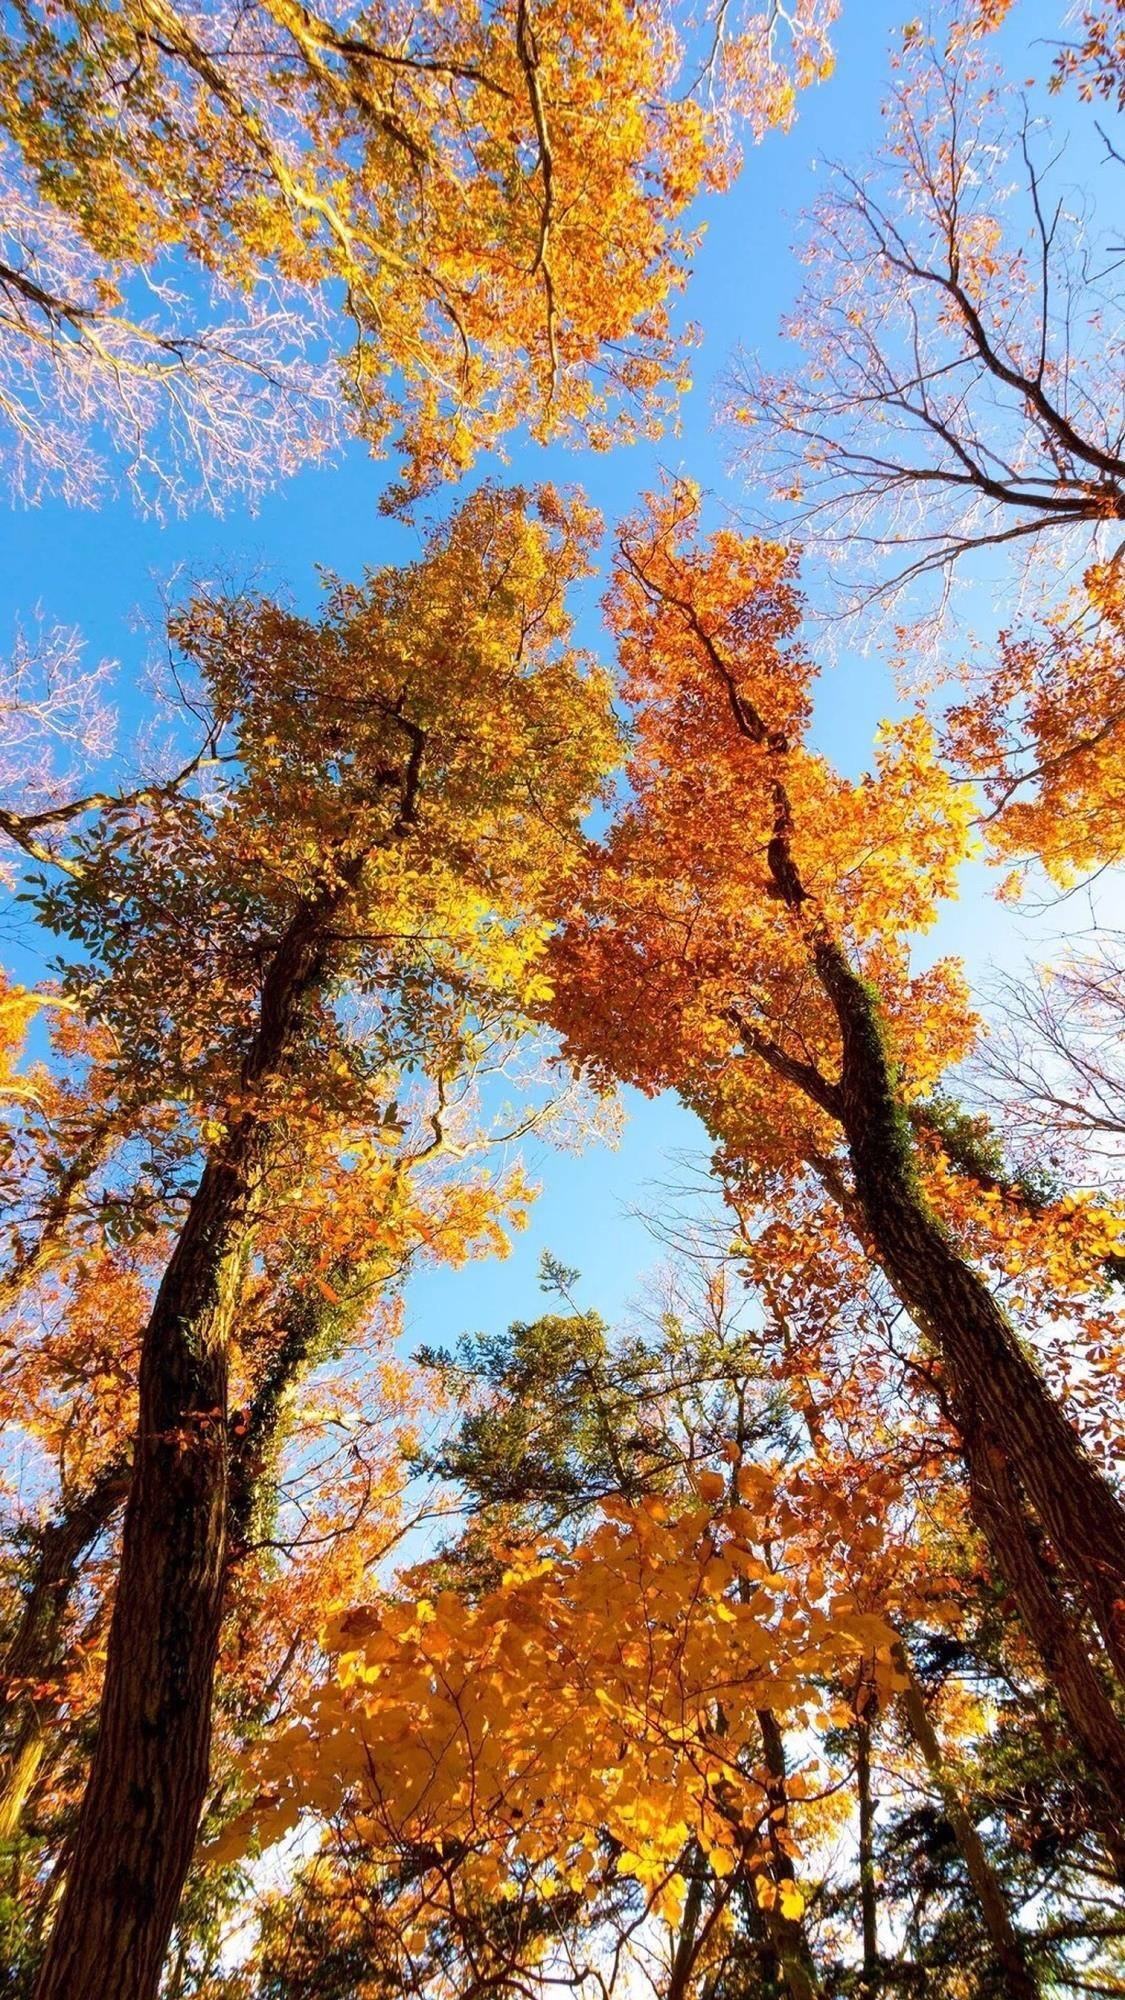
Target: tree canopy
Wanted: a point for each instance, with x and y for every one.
(737, 1618)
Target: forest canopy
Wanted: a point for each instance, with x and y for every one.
(561, 1191)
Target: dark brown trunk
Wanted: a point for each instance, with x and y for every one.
(770, 1977)
(687, 1944)
(1019, 1446)
(1015, 1541)
(1061, 1645)
(311, 1325)
(1018, 1443)
(997, 1395)
(140, 1812)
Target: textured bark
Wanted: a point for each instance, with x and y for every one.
(1020, 1448)
(997, 1394)
(1019, 1980)
(687, 1944)
(769, 1979)
(1062, 1647)
(1015, 1541)
(148, 1778)
(311, 1325)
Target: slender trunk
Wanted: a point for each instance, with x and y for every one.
(687, 1945)
(787, 1934)
(32, 1656)
(1020, 1981)
(53, 1240)
(868, 1903)
(772, 1978)
(796, 1972)
(148, 1778)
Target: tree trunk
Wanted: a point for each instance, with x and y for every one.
(868, 1903)
(140, 1812)
(33, 1653)
(787, 1934)
(1020, 1982)
(311, 1326)
(998, 1397)
(687, 1943)
(1015, 1542)
(1062, 1647)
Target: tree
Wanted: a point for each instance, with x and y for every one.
(1040, 730)
(1096, 62)
(1050, 1072)
(598, 1709)
(956, 346)
(742, 937)
(354, 890)
(495, 193)
(707, 1387)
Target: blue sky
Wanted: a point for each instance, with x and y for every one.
(96, 569)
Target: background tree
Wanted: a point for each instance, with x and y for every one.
(1050, 1070)
(956, 1853)
(955, 345)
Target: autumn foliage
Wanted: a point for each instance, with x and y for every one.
(765, 1640)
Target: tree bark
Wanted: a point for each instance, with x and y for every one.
(1061, 1645)
(997, 1394)
(140, 1812)
(1018, 1444)
(687, 1943)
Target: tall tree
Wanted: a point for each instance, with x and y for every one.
(355, 892)
(743, 938)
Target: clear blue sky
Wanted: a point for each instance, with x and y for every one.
(95, 569)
